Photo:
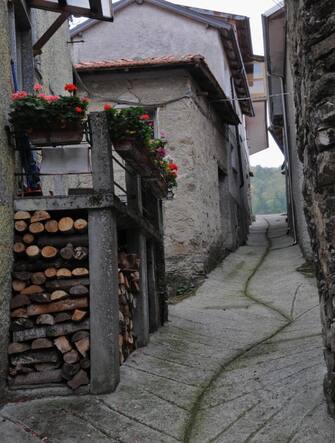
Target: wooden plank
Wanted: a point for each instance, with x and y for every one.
(37, 378)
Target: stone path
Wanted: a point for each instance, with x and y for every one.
(239, 362)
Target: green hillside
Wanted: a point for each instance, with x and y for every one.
(268, 191)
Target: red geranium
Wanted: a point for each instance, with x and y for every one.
(107, 107)
(79, 109)
(70, 87)
(144, 117)
(173, 167)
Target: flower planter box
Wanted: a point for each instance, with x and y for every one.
(140, 161)
(58, 136)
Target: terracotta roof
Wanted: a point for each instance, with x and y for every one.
(140, 63)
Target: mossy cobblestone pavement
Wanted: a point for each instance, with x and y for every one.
(241, 361)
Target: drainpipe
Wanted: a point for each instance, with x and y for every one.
(287, 156)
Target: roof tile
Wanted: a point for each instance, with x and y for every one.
(151, 61)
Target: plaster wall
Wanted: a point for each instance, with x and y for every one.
(196, 237)
(54, 64)
(142, 31)
(6, 196)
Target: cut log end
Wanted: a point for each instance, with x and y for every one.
(36, 228)
(65, 225)
(49, 252)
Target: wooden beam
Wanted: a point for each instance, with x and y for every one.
(37, 48)
(75, 10)
(96, 7)
(21, 14)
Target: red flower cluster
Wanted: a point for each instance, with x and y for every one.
(70, 87)
(144, 117)
(107, 107)
(78, 109)
(173, 167)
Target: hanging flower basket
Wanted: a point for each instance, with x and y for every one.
(49, 120)
(132, 135)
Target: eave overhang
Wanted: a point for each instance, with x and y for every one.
(194, 64)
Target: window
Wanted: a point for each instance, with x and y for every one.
(21, 47)
(258, 69)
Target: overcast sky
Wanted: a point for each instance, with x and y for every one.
(253, 9)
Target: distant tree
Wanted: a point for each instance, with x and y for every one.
(268, 191)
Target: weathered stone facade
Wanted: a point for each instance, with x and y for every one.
(209, 214)
(311, 44)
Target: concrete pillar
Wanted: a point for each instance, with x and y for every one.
(160, 268)
(104, 299)
(138, 244)
(134, 191)
(154, 312)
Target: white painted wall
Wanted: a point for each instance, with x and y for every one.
(141, 31)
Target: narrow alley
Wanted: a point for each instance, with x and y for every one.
(240, 361)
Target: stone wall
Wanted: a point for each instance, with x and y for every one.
(311, 43)
(6, 196)
(302, 234)
(201, 222)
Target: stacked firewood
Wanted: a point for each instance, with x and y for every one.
(129, 287)
(50, 302)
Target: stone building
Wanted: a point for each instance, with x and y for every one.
(19, 28)
(310, 81)
(189, 68)
(282, 120)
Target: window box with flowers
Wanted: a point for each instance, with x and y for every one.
(49, 119)
(132, 135)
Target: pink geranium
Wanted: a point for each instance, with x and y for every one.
(38, 87)
(52, 98)
(161, 152)
(19, 95)
(48, 98)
